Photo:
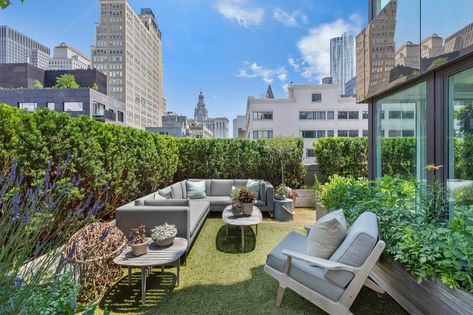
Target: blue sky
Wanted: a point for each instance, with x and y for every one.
(231, 49)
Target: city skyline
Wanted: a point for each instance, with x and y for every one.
(233, 51)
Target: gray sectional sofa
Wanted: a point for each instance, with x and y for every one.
(188, 215)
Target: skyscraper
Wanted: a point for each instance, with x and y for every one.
(218, 126)
(200, 113)
(129, 50)
(16, 47)
(342, 60)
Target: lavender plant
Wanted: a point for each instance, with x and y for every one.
(36, 219)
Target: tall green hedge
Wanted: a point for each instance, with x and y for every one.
(134, 162)
(242, 158)
(349, 156)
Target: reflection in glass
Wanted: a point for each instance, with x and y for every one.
(388, 50)
(447, 31)
(460, 138)
(401, 133)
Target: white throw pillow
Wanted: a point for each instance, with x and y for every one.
(159, 197)
(327, 234)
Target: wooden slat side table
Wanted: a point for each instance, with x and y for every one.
(157, 256)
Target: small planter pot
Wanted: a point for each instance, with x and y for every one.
(140, 249)
(166, 242)
(320, 210)
(247, 208)
(236, 211)
(279, 197)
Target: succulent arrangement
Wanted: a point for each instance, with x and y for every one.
(163, 232)
(281, 191)
(138, 241)
(246, 195)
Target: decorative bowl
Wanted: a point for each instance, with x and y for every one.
(165, 242)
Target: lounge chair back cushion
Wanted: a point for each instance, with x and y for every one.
(355, 248)
(326, 234)
(177, 191)
(221, 187)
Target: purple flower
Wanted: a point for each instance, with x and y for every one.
(26, 218)
(68, 159)
(104, 234)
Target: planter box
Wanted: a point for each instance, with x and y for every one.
(305, 198)
(425, 298)
(320, 210)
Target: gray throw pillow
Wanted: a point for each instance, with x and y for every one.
(195, 190)
(254, 186)
(327, 234)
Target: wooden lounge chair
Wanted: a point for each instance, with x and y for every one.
(331, 284)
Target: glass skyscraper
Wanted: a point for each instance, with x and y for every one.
(342, 60)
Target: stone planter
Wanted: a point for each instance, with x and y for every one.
(166, 242)
(140, 249)
(305, 198)
(426, 298)
(246, 208)
(320, 210)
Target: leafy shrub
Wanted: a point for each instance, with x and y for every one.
(410, 225)
(241, 158)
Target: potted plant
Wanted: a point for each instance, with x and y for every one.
(280, 192)
(163, 235)
(138, 241)
(236, 205)
(246, 197)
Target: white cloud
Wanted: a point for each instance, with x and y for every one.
(284, 87)
(315, 47)
(240, 12)
(294, 64)
(253, 70)
(290, 19)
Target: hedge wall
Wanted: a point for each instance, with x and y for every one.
(134, 162)
(241, 158)
(349, 156)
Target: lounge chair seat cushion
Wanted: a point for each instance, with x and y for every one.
(311, 277)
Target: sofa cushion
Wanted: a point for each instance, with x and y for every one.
(262, 191)
(195, 190)
(311, 277)
(219, 200)
(259, 203)
(198, 210)
(327, 234)
(139, 201)
(360, 240)
(221, 187)
(166, 192)
(166, 202)
(207, 184)
(240, 182)
(177, 191)
(157, 196)
(255, 186)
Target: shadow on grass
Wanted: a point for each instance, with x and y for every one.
(229, 239)
(122, 298)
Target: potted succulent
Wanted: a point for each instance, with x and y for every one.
(236, 205)
(246, 197)
(163, 235)
(138, 241)
(280, 192)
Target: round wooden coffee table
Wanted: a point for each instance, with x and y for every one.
(157, 256)
(254, 219)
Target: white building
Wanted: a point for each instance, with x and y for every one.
(66, 57)
(310, 112)
(218, 126)
(239, 126)
(342, 60)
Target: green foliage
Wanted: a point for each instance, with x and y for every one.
(66, 81)
(6, 3)
(131, 162)
(398, 156)
(342, 156)
(241, 158)
(38, 85)
(94, 86)
(410, 225)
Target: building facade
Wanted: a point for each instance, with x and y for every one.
(128, 50)
(310, 112)
(430, 85)
(24, 76)
(342, 60)
(16, 47)
(66, 57)
(172, 125)
(77, 102)
(239, 126)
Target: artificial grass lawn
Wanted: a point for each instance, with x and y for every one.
(218, 279)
